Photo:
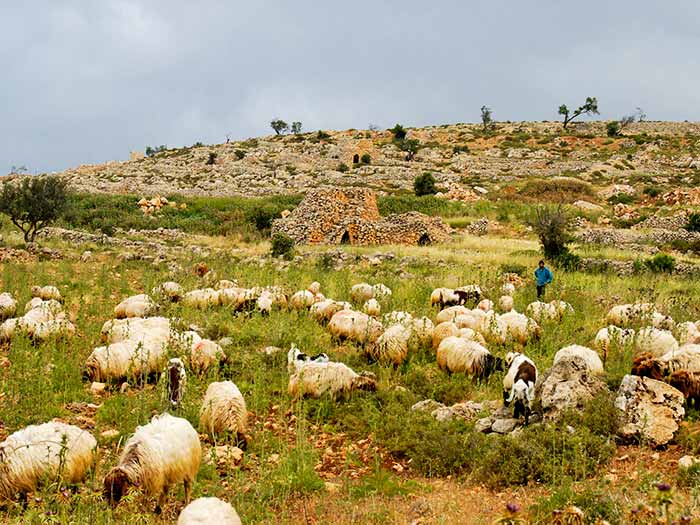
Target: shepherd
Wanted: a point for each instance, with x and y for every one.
(544, 277)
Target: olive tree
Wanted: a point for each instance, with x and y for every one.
(280, 126)
(486, 117)
(591, 106)
(33, 203)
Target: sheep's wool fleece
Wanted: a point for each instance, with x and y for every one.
(459, 355)
(208, 511)
(168, 452)
(38, 450)
(315, 379)
(223, 409)
(590, 357)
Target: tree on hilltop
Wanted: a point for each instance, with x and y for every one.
(486, 117)
(591, 106)
(280, 126)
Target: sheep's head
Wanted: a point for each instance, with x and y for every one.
(645, 365)
(36, 291)
(365, 381)
(177, 378)
(116, 485)
(510, 356)
(92, 371)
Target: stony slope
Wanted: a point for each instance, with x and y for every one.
(457, 154)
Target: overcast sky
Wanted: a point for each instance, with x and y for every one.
(86, 81)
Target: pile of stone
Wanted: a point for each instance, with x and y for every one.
(479, 227)
(154, 205)
(663, 223)
(615, 190)
(689, 197)
(457, 193)
(351, 216)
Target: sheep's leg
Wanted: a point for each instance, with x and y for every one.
(161, 500)
(505, 398)
(188, 490)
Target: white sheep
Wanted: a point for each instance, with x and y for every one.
(139, 328)
(8, 306)
(46, 293)
(34, 302)
(589, 357)
(469, 357)
(224, 410)
(129, 358)
(208, 511)
(552, 311)
(451, 312)
(662, 322)
(205, 354)
(136, 306)
(53, 450)
(170, 290)
(520, 327)
(380, 291)
(625, 314)
(296, 359)
(336, 379)
(485, 305)
(315, 288)
(606, 337)
(323, 311)
(391, 346)
(443, 297)
(423, 330)
(355, 326)
(655, 341)
(372, 308)
(688, 333)
(302, 300)
(505, 303)
(508, 289)
(442, 331)
(204, 298)
(362, 292)
(225, 284)
(160, 454)
(493, 328)
(45, 320)
(519, 384)
(54, 328)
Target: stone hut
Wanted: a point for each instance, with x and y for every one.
(351, 216)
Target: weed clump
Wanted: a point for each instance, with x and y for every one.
(282, 246)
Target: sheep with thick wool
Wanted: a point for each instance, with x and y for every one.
(688, 333)
(208, 511)
(519, 384)
(204, 298)
(468, 357)
(451, 313)
(355, 326)
(139, 328)
(46, 293)
(589, 357)
(494, 328)
(224, 410)
(623, 315)
(505, 303)
(128, 358)
(655, 341)
(52, 450)
(336, 379)
(687, 358)
(508, 289)
(372, 308)
(486, 305)
(169, 290)
(136, 306)
(688, 383)
(46, 319)
(323, 311)
(206, 354)
(8, 306)
(613, 335)
(302, 300)
(520, 327)
(442, 331)
(552, 311)
(391, 346)
(363, 292)
(160, 454)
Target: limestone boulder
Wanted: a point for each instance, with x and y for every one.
(569, 384)
(648, 410)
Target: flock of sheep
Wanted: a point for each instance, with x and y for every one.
(138, 344)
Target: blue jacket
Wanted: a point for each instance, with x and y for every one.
(543, 275)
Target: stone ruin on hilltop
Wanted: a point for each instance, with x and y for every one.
(351, 216)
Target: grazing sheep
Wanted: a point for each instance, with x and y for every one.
(204, 355)
(138, 328)
(688, 333)
(625, 314)
(519, 384)
(372, 308)
(442, 331)
(46, 293)
(662, 322)
(296, 359)
(203, 298)
(552, 311)
(469, 293)
(590, 357)
(654, 341)
(469, 357)
(176, 381)
(443, 297)
(224, 410)
(423, 329)
(688, 383)
(508, 289)
(451, 312)
(136, 306)
(494, 328)
(45, 320)
(315, 288)
(687, 358)
(34, 302)
(129, 358)
(302, 300)
(399, 317)
(158, 455)
(485, 304)
(53, 450)
(361, 293)
(381, 291)
(169, 290)
(264, 303)
(225, 284)
(505, 303)
(324, 310)
(392, 345)
(208, 511)
(8, 306)
(53, 328)
(613, 335)
(520, 327)
(355, 326)
(336, 379)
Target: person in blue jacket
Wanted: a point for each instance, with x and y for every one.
(544, 277)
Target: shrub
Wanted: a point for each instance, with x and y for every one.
(518, 269)
(150, 152)
(653, 192)
(613, 129)
(596, 503)
(460, 149)
(34, 203)
(424, 185)
(262, 217)
(239, 153)
(693, 224)
(212, 158)
(410, 146)
(399, 132)
(322, 135)
(621, 198)
(558, 189)
(282, 246)
(552, 226)
(661, 263)
(366, 158)
(342, 167)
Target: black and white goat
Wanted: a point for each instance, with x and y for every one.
(519, 384)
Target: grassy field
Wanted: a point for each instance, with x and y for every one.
(365, 460)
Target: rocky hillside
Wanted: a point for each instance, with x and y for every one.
(462, 155)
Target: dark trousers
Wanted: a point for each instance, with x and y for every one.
(540, 291)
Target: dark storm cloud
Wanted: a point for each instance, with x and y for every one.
(89, 81)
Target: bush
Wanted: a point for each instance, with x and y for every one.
(322, 135)
(653, 192)
(518, 269)
(212, 158)
(366, 158)
(399, 132)
(552, 226)
(621, 198)
(239, 153)
(693, 224)
(150, 152)
(34, 203)
(557, 189)
(342, 167)
(613, 129)
(596, 503)
(262, 217)
(661, 263)
(424, 185)
(282, 246)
